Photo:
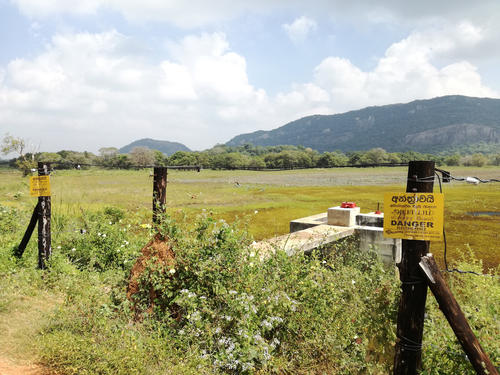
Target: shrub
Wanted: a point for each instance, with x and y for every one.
(9, 219)
(478, 298)
(247, 311)
(101, 243)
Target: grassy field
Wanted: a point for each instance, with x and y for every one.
(267, 201)
(76, 317)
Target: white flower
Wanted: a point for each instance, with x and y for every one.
(353, 282)
(99, 234)
(103, 235)
(195, 316)
(256, 212)
(58, 247)
(252, 254)
(73, 249)
(172, 271)
(110, 223)
(266, 324)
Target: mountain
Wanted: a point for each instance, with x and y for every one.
(164, 146)
(447, 122)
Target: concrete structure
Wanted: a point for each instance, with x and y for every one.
(370, 220)
(372, 238)
(304, 240)
(308, 222)
(310, 232)
(345, 217)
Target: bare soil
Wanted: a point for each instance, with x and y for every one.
(7, 367)
(158, 249)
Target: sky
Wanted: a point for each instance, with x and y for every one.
(81, 75)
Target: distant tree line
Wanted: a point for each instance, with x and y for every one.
(226, 157)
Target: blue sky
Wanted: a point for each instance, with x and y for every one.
(99, 73)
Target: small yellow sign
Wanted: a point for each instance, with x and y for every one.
(40, 186)
(414, 216)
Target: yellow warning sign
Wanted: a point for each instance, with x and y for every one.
(414, 216)
(40, 186)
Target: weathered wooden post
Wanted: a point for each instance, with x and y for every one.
(451, 310)
(44, 216)
(159, 193)
(408, 356)
(19, 251)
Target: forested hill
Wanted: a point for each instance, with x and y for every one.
(423, 125)
(166, 147)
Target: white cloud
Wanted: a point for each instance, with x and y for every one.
(407, 71)
(300, 28)
(96, 90)
(87, 90)
(197, 13)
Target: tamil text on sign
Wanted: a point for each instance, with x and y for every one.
(414, 216)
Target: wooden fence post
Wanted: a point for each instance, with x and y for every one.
(451, 310)
(44, 215)
(159, 193)
(19, 251)
(408, 356)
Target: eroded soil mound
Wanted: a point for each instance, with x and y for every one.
(159, 252)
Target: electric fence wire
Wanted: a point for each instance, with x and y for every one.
(448, 175)
(447, 269)
(411, 345)
(470, 179)
(444, 173)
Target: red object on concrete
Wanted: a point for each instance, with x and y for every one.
(348, 205)
(378, 212)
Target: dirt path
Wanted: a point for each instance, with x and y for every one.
(9, 368)
(20, 323)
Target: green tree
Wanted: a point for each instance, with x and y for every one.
(495, 159)
(375, 156)
(49, 157)
(19, 146)
(452, 160)
(393, 157)
(332, 159)
(183, 158)
(159, 158)
(478, 160)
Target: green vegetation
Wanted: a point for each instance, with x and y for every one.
(278, 197)
(246, 157)
(445, 124)
(217, 306)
